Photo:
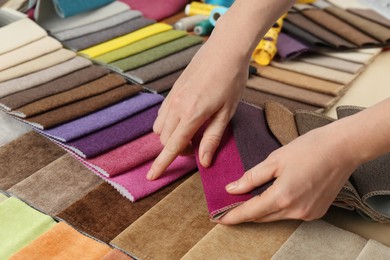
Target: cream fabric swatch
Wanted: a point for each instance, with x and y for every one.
(344, 4)
(358, 57)
(19, 33)
(37, 64)
(11, 129)
(374, 250)
(333, 63)
(320, 240)
(28, 52)
(8, 16)
(3, 197)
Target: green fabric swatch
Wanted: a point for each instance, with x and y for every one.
(3, 197)
(140, 46)
(19, 225)
(155, 53)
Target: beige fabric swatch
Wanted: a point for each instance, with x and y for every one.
(37, 64)
(18, 34)
(10, 128)
(244, 241)
(316, 71)
(348, 4)
(3, 197)
(320, 240)
(358, 57)
(28, 52)
(333, 63)
(374, 250)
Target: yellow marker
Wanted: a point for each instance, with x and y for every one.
(199, 8)
(305, 1)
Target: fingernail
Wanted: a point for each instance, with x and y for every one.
(231, 186)
(149, 175)
(206, 159)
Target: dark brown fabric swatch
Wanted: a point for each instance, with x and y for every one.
(307, 121)
(24, 156)
(163, 84)
(370, 14)
(56, 86)
(78, 109)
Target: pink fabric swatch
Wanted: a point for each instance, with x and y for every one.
(157, 9)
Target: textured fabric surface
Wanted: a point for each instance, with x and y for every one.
(125, 40)
(104, 213)
(116, 254)
(97, 26)
(155, 53)
(66, 8)
(56, 186)
(307, 121)
(163, 84)
(3, 197)
(43, 76)
(330, 243)
(333, 63)
(115, 135)
(362, 58)
(374, 250)
(11, 128)
(28, 52)
(40, 63)
(63, 242)
(24, 156)
(102, 36)
(20, 224)
(288, 47)
(170, 224)
(14, 35)
(163, 67)
(102, 118)
(53, 87)
(83, 107)
(370, 15)
(140, 46)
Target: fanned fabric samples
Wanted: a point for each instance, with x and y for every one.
(370, 15)
(333, 63)
(20, 224)
(66, 8)
(163, 84)
(62, 242)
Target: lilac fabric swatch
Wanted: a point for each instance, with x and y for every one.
(115, 135)
(103, 118)
(225, 168)
(289, 48)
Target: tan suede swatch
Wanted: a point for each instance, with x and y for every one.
(244, 241)
(281, 121)
(116, 254)
(374, 250)
(370, 14)
(171, 227)
(307, 121)
(24, 156)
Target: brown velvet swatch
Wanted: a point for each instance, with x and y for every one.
(104, 212)
(281, 121)
(370, 14)
(24, 156)
(93, 88)
(243, 241)
(287, 91)
(56, 86)
(344, 111)
(56, 186)
(299, 80)
(78, 109)
(171, 227)
(258, 98)
(307, 121)
(116, 254)
(163, 84)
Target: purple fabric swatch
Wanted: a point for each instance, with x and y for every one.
(289, 48)
(103, 118)
(115, 135)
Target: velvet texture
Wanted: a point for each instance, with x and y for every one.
(24, 156)
(370, 15)
(289, 48)
(333, 63)
(66, 8)
(63, 242)
(116, 254)
(358, 57)
(163, 84)
(57, 185)
(307, 121)
(374, 250)
(20, 224)
(142, 238)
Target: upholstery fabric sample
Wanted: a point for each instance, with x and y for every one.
(83, 107)
(89, 89)
(307, 121)
(24, 156)
(244, 241)
(11, 128)
(142, 238)
(155, 53)
(102, 36)
(163, 84)
(63, 242)
(333, 243)
(140, 46)
(316, 71)
(115, 135)
(46, 16)
(370, 14)
(125, 40)
(362, 58)
(37, 64)
(66, 8)
(43, 76)
(57, 185)
(28, 52)
(374, 250)
(289, 47)
(116, 254)
(299, 80)
(97, 26)
(136, 152)
(20, 224)
(102, 118)
(15, 34)
(104, 213)
(333, 63)
(281, 122)
(159, 9)
(3, 197)
(53, 87)
(163, 67)
(287, 91)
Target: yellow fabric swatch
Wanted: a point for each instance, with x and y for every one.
(124, 40)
